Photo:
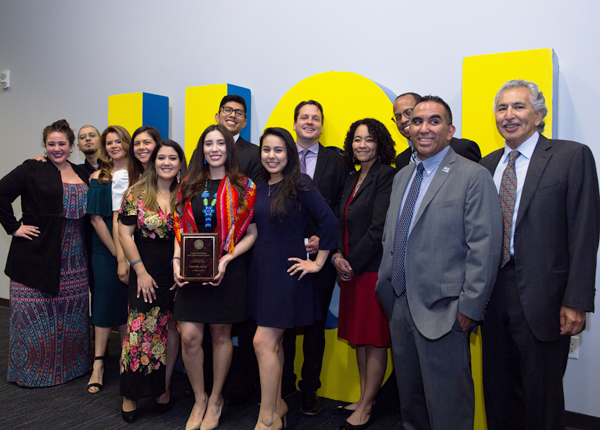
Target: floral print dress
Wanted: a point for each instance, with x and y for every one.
(144, 353)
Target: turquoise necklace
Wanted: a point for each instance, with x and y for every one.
(208, 209)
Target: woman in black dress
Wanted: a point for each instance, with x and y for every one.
(215, 197)
(150, 347)
(282, 293)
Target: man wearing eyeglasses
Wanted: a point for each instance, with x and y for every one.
(403, 107)
(232, 115)
(88, 139)
(243, 375)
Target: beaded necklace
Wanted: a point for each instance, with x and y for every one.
(208, 209)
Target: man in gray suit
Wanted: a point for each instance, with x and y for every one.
(441, 249)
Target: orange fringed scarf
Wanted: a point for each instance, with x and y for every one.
(232, 221)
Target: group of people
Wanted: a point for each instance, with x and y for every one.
(421, 251)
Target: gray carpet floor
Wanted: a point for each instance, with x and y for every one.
(70, 406)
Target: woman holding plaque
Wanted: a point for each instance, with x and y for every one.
(282, 293)
(151, 344)
(214, 197)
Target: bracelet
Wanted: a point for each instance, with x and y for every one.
(333, 260)
(139, 260)
(174, 258)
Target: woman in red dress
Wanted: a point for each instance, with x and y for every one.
(364, 205)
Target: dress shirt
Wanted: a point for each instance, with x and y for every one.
(311, 158)
(430, 165)
(521, 166)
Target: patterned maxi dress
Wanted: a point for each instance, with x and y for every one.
(50, 335)
(144, 353)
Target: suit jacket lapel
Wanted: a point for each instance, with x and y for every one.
(350, 184)
(537, 165)
(368, 178)
(492, 163)
(396, 199)
(322, 160)
(437, 182)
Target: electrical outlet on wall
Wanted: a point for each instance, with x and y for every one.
(574, 348)
(5, 79)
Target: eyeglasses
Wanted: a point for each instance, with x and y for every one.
(407, 113)
(238, 112)
(91, 134)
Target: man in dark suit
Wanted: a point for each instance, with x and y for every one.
(546, 282)
(441, 246)
(329, 173)
(403, 107)
(232, 115)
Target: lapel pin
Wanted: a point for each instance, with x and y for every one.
(446, 169)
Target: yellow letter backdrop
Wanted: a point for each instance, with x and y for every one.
(483, 75)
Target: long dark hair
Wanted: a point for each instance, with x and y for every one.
(291, 173)
(134, 166)
(148, 183)
(199, 169)
(386, 151)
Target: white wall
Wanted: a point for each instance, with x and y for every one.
(66, 57)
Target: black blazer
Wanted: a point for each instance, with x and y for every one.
(465, 147)
(556, 233)
(36, 262)
(249, 157)
(366, 217)
(330, 176)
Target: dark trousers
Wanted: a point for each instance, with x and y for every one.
(434, 376)
(313, 346)
(522, 376)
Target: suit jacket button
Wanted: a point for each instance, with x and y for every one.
(392, 252)
(389, 279)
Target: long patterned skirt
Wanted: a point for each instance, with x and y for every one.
(50, 335)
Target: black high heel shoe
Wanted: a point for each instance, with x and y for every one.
(347, 426)
(343, 410)
(161, 408)
(97, 385)
(130, 416)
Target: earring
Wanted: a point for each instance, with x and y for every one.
(205, 161)
(71, 150)
(379, 158)
(179, 176)
(354, 159)
(45, 153)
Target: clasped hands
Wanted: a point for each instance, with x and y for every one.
(179, 282)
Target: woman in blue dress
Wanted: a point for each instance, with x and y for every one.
(282, 293)
(107, 186)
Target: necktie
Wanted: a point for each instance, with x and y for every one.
(303, 154)
(508, 193)
(413, 156)
(402, 229)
